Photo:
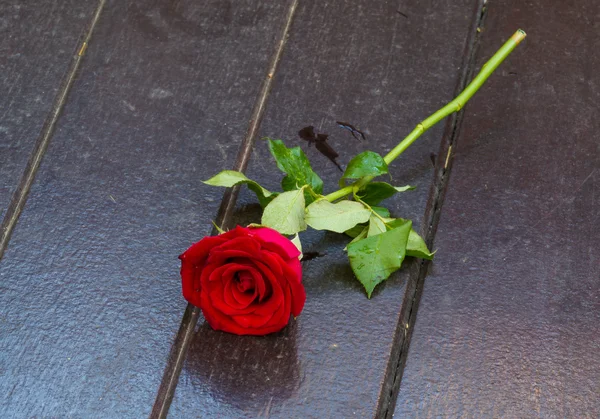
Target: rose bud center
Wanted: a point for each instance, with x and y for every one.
(245, 281)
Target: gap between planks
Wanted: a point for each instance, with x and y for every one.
(19, 197)
(393, 378)
(176, 357)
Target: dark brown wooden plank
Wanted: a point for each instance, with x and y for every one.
(90, 291)
(37, 43)
(368, 65)
(509, 323)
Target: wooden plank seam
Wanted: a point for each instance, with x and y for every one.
(387, 402)
(19, 198)
(178, 352)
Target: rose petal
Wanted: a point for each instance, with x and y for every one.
(218, 321)
(248, 244)
(218, 303)
(251, 321)
(235, 298)
(274, 241)
(296, 267)
(259, 282)
(224, 273)
(298, 299)
(273, 261)
(284, 317)
(263, 289)
(190, 284)
(264, 261)
(298, 293)
(197, 252)
(220, 257)
(271, 280)
(239, 299)
(270, 304)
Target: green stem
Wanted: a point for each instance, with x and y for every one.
(340, 193)
(456, 105)
(367, 206)
(460, 101)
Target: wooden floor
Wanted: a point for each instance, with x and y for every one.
(111, 113)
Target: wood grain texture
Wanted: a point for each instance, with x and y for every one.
(91, 297)
(509, 323)
(189, 320)
(363, 63)
(37, 43)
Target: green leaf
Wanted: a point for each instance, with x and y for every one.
(381, 211)
(375, 192)
(355, 231)
(323, 215)
(229, 178)
(286, 213)
(295, 164)
(367, 163)
(298, 244)
(416, 246)
(375, 258)
(376, 226)
(359, 236)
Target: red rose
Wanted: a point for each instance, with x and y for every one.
(246, 281)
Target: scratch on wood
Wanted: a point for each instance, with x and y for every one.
(188, 200)
(82, 49)
(448, 157)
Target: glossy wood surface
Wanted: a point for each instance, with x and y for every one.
(509, 321)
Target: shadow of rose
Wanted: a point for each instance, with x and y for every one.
(247, 372)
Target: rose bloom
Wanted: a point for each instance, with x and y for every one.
(246, 281)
